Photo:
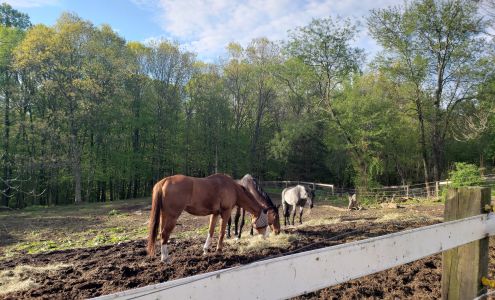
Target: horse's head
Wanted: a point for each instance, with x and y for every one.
(261, 222)
(311, 197)
(274, 219)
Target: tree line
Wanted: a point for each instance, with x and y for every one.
(89, 116)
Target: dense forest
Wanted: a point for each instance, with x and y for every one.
(89, 116)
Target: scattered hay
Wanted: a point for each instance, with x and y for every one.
(253, 243)
(20, 278)
(391, 217)
(320, 222)
(390, 205)
(406, 217)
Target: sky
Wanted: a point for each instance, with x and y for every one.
(207, 26)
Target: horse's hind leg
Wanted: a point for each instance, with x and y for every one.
(236, 221)
(223, 224)
(300, 214)
(168, 224)
(285, 209)
(229, 224)
(213, 223)
(241, 225)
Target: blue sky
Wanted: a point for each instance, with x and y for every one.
(204, 26)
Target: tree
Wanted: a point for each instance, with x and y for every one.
(210, 121)
(10, 17)
(324, 46)
(238, 85)
(170, 68)
(437, 47)
(74, 69)
(12, 25)
(262, 55)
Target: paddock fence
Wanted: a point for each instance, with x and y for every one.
(301, 273)
(396, 193)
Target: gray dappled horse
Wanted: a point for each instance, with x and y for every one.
(296, 196)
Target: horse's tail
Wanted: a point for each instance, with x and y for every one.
(283, 200)
(156, 205)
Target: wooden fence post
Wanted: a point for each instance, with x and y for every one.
(463, 267)
(407, 191)
(437, 189)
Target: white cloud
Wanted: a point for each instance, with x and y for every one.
(30, 3)
(207, 26)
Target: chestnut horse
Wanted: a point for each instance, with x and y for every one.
(214, 195)
(252, 185)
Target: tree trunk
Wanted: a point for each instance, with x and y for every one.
(424, 152)
(75, 150)
(7, 168)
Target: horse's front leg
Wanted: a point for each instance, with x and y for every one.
(213, 223)
(285, 209)
(293, 214)
(228, 227)
(243, 218)
(223, 224)
(300, 214)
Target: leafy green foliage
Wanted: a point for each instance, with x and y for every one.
(10, 17)
(465, 175)
(89, 116)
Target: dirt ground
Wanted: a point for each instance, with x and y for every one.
(95, 271)
(107, 269)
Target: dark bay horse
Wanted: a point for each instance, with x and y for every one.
(214, 195)
(250, 183)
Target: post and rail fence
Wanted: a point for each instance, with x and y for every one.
(418, 190)
(462, 239)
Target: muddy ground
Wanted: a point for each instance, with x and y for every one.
(103, 270)
(106, 269)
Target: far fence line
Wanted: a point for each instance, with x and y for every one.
(418, 190)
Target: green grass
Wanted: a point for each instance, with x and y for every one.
(89, 238)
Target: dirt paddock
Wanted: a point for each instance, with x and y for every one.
(91, 272)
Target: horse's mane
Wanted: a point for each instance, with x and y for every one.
(260, 191)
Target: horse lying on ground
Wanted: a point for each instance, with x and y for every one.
(214, 195)
(253, 186)
(296, 196)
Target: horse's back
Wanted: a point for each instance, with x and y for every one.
(290, 195)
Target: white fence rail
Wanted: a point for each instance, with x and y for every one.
(418, 190)
(297, 274)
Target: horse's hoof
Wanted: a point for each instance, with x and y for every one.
(165, 260)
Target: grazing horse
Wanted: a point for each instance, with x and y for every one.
(214, 195)
(250, 183)
(296, 196)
